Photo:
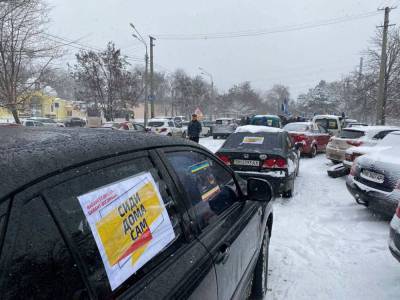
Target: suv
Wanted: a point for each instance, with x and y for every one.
(135, 217)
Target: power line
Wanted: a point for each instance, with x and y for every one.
(260, 32)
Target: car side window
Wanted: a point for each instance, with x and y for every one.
(209, 186)
(63, 199)
(35, 260)
(171, 124)
(381, 134)
(322, 129)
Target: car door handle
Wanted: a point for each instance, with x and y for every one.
(223, 253)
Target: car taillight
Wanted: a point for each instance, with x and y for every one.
(299, 138)
(163, 129)
(354, 143)
(225, 159)
(274, 163)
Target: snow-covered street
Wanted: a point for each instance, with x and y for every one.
(324, 245)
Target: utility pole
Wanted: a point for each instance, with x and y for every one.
(381, 101)
(152, 39)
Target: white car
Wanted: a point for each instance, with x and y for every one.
(331, 123)
(32, 123)
(47, 122)
(389, 141)
(165, 127)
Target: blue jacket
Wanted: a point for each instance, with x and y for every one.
(194, 128)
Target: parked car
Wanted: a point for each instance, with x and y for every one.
(165, 127)
(266, 120)
(389, 141)
(355, 136)
(313, 137)
(263, 152)
(223, 127)
(331, 123)
(74, 122)
(47, 122)
(32, 123)
(394, 237)
(101, 214)
(127, 125)
(374, 180)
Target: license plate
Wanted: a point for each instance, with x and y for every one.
(243, 162)
(372, 176)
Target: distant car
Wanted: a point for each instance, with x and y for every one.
(389, 141)
(91, 214)
(394, 235)
(223, 127)
(165, 127)
(263, 152)
(74, 122)
(32, 123)
(124, 126)
(47, 121)
(355, 136)
(266, 120)
(331, 123)
(374, 180)
(313, 137)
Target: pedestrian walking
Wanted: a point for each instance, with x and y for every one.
(194, 129)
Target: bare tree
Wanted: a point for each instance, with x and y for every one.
(24, 50)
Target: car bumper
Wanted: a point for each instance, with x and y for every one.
(335, 154)
(382, 202)
(394, 238)
(278, 179)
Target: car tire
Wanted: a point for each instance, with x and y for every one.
(289, 193)
(313, 152)
(215, 137)
(169, 134)
(260, 279)
(184, 134)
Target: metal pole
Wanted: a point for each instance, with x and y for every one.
(152, 98)
(146, 90)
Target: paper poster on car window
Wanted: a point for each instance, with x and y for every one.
(130, 224)
(205, 180)
(257, 140)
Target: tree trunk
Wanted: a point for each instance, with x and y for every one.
(14, 112)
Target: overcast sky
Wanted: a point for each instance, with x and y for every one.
(298, 59)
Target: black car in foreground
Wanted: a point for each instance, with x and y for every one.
(119, 215)
(374, 180)
(263, 152)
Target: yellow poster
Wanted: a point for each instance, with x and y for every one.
(130, 224)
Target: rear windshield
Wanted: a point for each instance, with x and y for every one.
(156, 124)
(223, 122)
(327, 123)
(351, 134)
(265, 121)
(297, 127)
(256, 141)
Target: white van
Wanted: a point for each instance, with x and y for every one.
(331, 123)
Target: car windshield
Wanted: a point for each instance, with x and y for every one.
(156, 123)
(327, 123)
(223, 122)
(265, 121)
(297, 127)
(253, 141)
(351, 134)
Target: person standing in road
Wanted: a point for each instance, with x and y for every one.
(194, 129)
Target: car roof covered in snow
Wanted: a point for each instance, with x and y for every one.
(32, 154)
(258, 129)
(372, 130)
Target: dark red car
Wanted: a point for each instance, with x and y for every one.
(313, 136)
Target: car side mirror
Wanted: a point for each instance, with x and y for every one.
(259, 190)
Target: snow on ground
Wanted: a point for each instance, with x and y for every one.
(324, 245)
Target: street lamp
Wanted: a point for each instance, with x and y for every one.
(204, 72)
(139, 37)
